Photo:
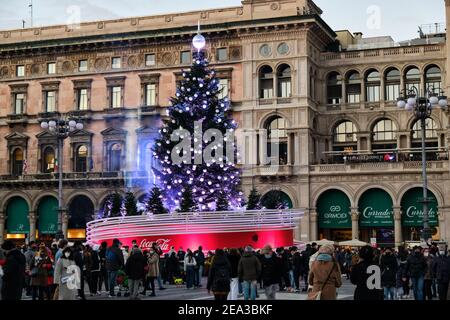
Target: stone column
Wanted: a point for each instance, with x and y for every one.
(313, 225)
(398, 226)
(2, 227)
(443, 212)
(355, 223)
(65, 223)
(32, 218)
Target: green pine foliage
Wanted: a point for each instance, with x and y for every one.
(130, 204)
(115, 205)
(187, 203)
(155, 202)
(222, 203)
(254, 200)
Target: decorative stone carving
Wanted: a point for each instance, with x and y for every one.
(236, 53)
(4, 72)
(240, 11)
(37, 32)
(133, 61)
(204, 15)
(6, 34)
(101, 64)
(134, 21)
(168, 18)
(274, 6)
(67, 66)
(36, 69)
(168, 59)
(100, 25)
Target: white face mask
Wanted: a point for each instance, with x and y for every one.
(67, 254)
(442, 253)
(426, 254)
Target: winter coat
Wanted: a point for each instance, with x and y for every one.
(116, 260)
(95, 261)
(389, 267)
(219, 277)
(67, 289)
(318, 275)
(270, 271)
(199, 258)
(172, 263)
(29, 255)
(359, 278)
(441, 269)
(249, 267)
(234, 261)
(429, 275)
(134, 268)
(153, 265)
(13, 275)
(41, 268)
(189, 262)
(416, 266)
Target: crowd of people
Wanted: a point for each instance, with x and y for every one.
(61, 271)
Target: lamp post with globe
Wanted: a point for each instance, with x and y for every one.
(61, 129)
(422, 104)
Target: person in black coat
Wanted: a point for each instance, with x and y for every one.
(360, 274)
(13, 272)
(219, 277)
(389, 268)
(441, 270)
(172, 266)
(135, 270)
(270, 272)
(79, 261)
(416, 267)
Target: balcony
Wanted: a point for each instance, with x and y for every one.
(268, 171)
(17, 119)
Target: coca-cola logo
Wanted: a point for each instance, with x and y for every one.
(162, 243)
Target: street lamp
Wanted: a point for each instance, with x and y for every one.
(61, 128)
(422, 106)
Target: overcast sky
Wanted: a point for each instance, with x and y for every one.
(398, 18)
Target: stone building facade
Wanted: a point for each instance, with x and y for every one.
(347, 155)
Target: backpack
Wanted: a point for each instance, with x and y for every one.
(222, 280)
(111, 256)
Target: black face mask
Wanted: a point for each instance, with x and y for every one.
(417, 253)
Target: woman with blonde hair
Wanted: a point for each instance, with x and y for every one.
(325, 275)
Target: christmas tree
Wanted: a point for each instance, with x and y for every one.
(187, 203)
(254, 200)
(154, 203)
(222, 202)
(113, 206)
(130, 204)
(274, 200)
(196, 144)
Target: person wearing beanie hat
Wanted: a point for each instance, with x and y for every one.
(13, 272)
(325, 275)
(360, 274)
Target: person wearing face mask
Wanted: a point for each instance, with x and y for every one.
(67, 276)
(428, 278)
(270, 272)
(441, 269)
(153, 270)
(13, 272)
(416, 267)
(389, 267)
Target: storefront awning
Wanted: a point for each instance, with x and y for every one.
(333, 209)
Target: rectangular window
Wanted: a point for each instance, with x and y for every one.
(116, 63)
(266, 89)
(19, 102)
(20, 71)
(82, 99)
(51, 68)
(50, 101)
(373, 94)
(185, 57)
(222, 54)
(150, 94)
(82, 65)
(150, 60)
(392, 92)
(224, 88)
(285, 88)
(116, 97)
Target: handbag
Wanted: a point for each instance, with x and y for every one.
(318, 294)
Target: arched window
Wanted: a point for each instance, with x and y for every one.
(373, 83)
(344, 136)
(48, 160)
(431, 134)
(17, 162)
(81, 157)
(392, 84)
(412, 78)
(433, 79)
(284, 81)
(115, 157)
(277, 140)
(353, 87)
(384, 135)
(266, 82)
(334, 88)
